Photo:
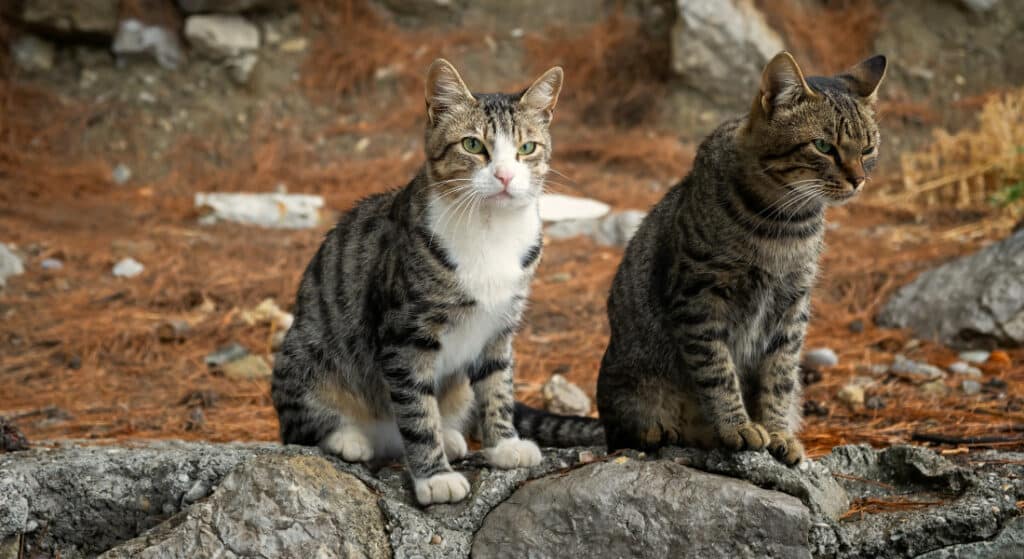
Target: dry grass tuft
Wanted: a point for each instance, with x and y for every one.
(965, 168)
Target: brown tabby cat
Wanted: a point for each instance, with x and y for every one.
(710, 304)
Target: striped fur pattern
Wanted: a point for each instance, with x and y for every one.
(710, 304)
(550, 429)
(405, 316)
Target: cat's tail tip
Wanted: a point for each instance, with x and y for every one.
(549, 429)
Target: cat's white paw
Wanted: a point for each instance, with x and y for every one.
(454, 444)
(449, 487)
(350, 444)
(513, 453)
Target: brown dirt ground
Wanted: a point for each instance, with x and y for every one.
(79, 356)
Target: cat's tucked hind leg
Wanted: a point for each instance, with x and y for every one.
(350, 443)
(454, 443)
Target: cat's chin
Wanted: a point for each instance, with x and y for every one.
(506, 201)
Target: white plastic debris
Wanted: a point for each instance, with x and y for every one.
(559, 207)
(285, 211)
(10, 264)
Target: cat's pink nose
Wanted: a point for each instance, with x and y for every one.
(504, 175)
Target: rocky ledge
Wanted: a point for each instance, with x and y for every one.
(175, 499)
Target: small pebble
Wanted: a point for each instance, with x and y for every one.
(856, 326)
(809, 375)
(812, 407)
(248, 367)
(128, 268)
(962, 368)
(971, 387)
(821, 357)
(226, 354)
(974, 356)
(903, 366)
(121, 174)
(435, 540)
(51, 264)
(851, 395)
(874, 403)
(935, 388)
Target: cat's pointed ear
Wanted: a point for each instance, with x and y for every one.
(543, 94)
(444, 88)
(782, 83)
(864, 78)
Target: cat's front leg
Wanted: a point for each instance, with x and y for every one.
(410, 376)
(491, 378)
(778, 400)
(711, 372)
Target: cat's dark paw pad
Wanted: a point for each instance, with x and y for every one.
(745, 436)
(785, 448)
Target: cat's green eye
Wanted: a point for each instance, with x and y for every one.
(824, 147)
(527, 148)
(472, 145)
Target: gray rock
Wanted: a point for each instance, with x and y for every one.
(564, 397)
(632, 508)
(226, 354)
(33, 54)
(810, 482)
(976, 299)
(974, 356)
(121, 174)
(971, 387)
(89, 17)
(273, 506)
(963, 369)
(51, 264)
(979, 6)
(1008, 544)
(614, 229)
(232, 6)
(128, 268)
(274, 210)
(820, 357)
(240, 67)
(720, 46)
(135, 38)
(10, 264)
(221, 36)
(914, 370)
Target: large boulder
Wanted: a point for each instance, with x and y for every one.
(976, 300)
(720, 46)
(632, 508)
(273, 506)
(85, 17)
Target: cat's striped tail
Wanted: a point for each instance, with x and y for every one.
(549, 429)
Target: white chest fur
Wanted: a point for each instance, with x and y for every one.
(487, 249)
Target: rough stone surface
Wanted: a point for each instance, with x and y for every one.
(631, 508)
(93, 17)
(135, 38)
(273, 506)
(174, 499)
(1009, 544)
(10, 264)
(33, 54)
(717, 43)
(974, 300)
(564, 397)
(810, 482)
(221, 36)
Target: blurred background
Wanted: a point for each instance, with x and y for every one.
(134, 308)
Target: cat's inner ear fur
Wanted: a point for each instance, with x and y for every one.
(543, 94)
(782, 84)
(864, 78)
(445, 89)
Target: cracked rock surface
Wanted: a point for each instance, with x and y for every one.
(175, 499)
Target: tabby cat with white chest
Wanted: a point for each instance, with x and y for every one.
(404, 318)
